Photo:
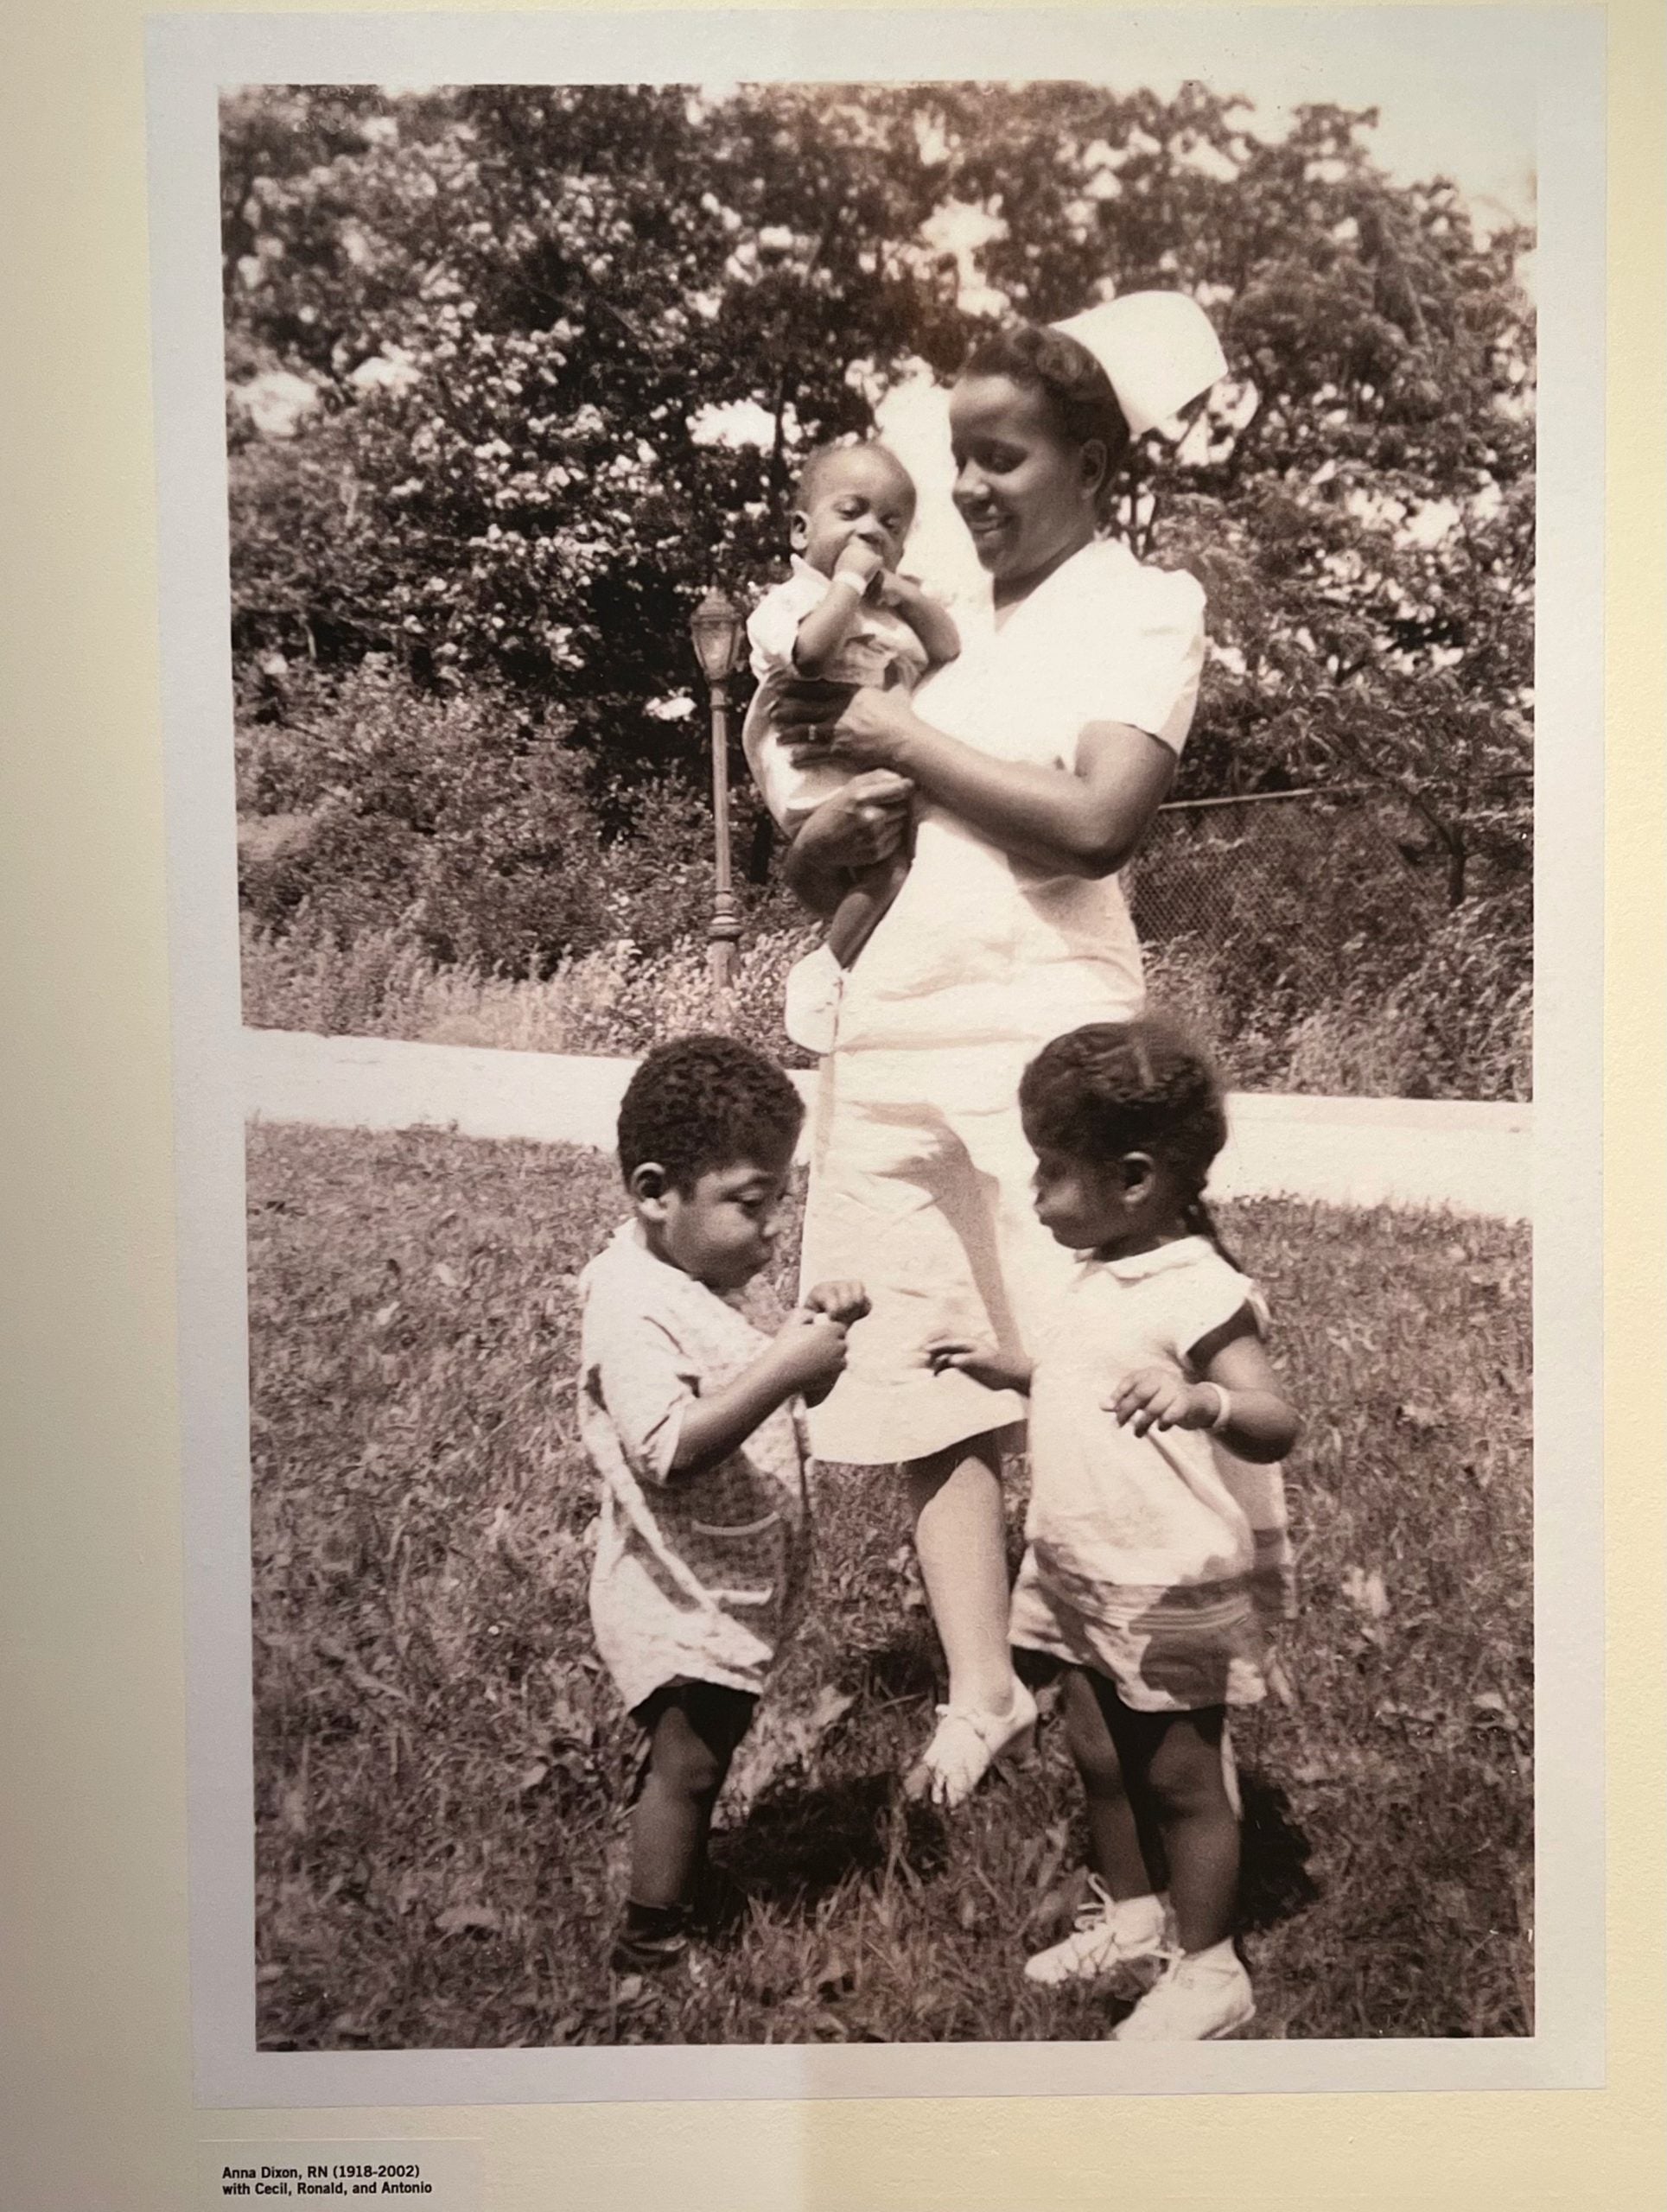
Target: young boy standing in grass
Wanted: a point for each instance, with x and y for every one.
(691, 1416)
(1155, 1543)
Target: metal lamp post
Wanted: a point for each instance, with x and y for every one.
(718, 630)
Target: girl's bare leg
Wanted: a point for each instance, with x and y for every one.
(1201, 1830)
(1172, 1768)
(960, 1538)
(1124, 1847)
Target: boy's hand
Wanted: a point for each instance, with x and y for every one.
(812, 1350)
(982, 1362)
(1156, 1397)
(860, 560)
(844, 1302)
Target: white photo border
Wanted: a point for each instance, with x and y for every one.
(190, 59)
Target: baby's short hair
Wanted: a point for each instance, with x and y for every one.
(1116, 1087)
(706, 1102)
(818, 462)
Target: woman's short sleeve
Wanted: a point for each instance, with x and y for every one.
(1153, 660)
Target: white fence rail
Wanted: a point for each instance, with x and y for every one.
(1473, 1158)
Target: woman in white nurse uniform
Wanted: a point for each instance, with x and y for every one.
(1038, 759)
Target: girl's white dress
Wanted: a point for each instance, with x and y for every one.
(920, 1174)
(696, 1576)
(1157, 1560)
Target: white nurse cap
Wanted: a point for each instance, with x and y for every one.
(1158, 348)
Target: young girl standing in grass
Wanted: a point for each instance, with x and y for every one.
(1155, 1541)
(691, 1419)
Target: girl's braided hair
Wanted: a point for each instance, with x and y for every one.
(1117, 1087)
(1081, 404)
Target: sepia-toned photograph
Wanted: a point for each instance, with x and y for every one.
(884, 746)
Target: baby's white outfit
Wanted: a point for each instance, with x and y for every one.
(881, 650)
(696, 1576)
(1156, 1560)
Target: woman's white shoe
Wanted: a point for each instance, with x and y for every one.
(966, 1743)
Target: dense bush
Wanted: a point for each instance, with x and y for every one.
(457, 819)
(461, 821)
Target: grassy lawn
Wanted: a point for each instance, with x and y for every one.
(442, 1771)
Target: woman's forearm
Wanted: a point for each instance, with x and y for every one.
(1087, 822)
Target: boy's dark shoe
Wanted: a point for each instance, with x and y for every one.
(651, 1939)
(720, 1904)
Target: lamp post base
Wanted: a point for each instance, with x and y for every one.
(723, 934)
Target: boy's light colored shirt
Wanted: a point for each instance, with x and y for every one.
(880, 647)
(695, 1575)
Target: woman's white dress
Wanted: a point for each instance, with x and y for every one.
(920, 1175)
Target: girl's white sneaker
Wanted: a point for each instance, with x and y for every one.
(1124, 1944)
(1201, 1998)
(966, 1743)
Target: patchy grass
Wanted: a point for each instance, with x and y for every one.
(442, 1772)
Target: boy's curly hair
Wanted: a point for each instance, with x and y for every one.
(1116, 1087)
(706, 1102)
(1078, 392)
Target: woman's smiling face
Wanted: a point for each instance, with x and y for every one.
(1026, 494)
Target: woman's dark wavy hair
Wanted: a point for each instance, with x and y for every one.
(1117, 1087)
(1081, 404)
(706, 1102)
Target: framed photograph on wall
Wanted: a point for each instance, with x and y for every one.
(493, 353)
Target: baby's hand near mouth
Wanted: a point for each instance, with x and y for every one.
(859, 560)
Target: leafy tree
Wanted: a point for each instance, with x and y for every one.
(498, 324)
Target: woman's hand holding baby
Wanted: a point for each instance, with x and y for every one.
(854, 827)
(866, 728)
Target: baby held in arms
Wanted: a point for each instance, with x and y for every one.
(844, 615)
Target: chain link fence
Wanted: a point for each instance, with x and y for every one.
(1264, 859)
(1308, 937)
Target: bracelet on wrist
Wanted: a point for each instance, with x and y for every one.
(1223, 1410)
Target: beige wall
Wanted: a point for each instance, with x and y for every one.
(93, 1911)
